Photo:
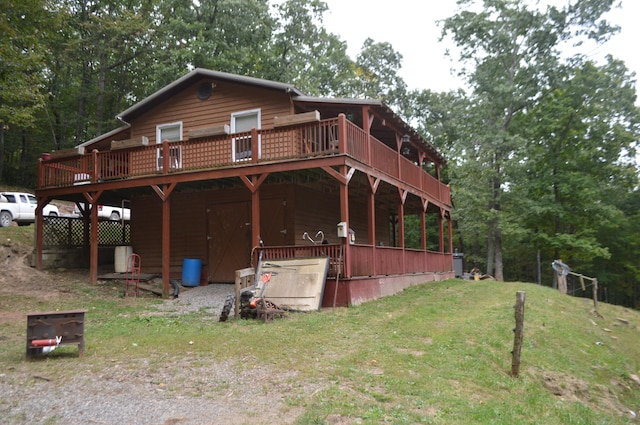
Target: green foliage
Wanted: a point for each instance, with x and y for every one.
(89, 60)
(24, 27)
(545, 139)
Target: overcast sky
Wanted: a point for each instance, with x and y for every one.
(409, 25)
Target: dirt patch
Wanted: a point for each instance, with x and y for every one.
(572, 389)
(15, 266)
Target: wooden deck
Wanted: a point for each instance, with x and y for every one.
(326, 138)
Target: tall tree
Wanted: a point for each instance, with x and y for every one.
(512, 53)
(377, 76)
(23, 26)
(304, 53)
(579, 151)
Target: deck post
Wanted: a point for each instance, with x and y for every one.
(344, 216)
(450, 228)
(255, 145)
(94, 243)
(367, 119)
(342, 133)
(371, 214)
(441, 229)
(39, 235)
(255, 217)
(166, 244)
(401, 232)
(166, 160)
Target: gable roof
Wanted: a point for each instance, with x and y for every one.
(388, 123)
(193, 76)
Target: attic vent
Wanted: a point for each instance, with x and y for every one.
(204, 91)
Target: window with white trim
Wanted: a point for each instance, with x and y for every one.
(242, 122)
(173, 133)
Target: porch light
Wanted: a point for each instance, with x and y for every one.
(350, 116)
(405, 151)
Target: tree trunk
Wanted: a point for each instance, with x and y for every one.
(22, 171)
(539, 268)
(498, 254)
(82, 104)
(490, 251)
(1, 149)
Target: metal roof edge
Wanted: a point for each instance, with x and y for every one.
(202, 72)
(104, 136)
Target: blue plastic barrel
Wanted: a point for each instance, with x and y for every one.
(191, 271)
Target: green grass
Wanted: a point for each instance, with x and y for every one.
(437, 353)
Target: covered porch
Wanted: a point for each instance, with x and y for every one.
(333, 156)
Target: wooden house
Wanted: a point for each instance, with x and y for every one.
(222, 167)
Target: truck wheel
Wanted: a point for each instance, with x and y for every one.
(114, 216)
(53, 214)
(5, 219)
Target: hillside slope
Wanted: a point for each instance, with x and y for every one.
(437, 353)
(446, 347)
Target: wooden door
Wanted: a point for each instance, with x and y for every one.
(229, 238)
(273, 229)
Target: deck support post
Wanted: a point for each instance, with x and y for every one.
(255, 217)
(39, 235)
(166, 245)
(94, 243)
(441, 229)
(344, 216)
(401, 231)
(371, 214)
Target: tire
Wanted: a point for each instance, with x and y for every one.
(229, 302)
(5, 219)
(114, 216)
(53, 214)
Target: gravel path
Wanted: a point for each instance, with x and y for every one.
(208, 298)
(187, 391)
(140, 395)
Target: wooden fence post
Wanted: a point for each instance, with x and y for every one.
(518, 333)
(595, 294)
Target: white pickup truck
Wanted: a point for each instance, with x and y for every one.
(107, 212)
(21, 208)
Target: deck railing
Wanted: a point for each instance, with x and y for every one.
(366, 260)
(333, 251)
(324, 138)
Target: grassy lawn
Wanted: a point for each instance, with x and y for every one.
(438, 353)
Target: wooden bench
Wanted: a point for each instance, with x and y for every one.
(44, 328)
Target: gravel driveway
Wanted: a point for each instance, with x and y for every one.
(139, 392)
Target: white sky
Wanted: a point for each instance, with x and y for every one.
(409, 25)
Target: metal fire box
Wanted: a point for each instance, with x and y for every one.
(44, 328)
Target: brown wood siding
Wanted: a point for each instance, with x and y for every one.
(226, 98)
(146, 231)
(315, 211)
(188, 236)
(287, 211)
(383, 235)
(188, 228)
(276, 224)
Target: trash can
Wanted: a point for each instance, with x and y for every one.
(121, 258)
(191, 271)
(458, 264)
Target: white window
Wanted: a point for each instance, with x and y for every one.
(242, 122)
(171, 132)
